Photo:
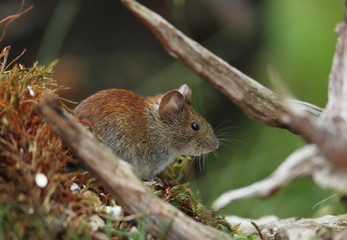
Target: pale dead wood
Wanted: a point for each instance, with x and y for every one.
(304, 162)
(327, 227)
(325, 134)
(298, 164)
(254, 99)
(119, 178)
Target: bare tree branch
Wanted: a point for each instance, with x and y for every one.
(326, 135)
(304, 162)
(119, 178)
(298, 164)
(254, 99)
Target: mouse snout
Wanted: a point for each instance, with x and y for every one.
(215, 144)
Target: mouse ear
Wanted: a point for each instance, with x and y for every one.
(186, 92)
(172, 101)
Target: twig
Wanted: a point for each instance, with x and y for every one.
(10, 19)
(253, 98)
(15, 59)
(4, 54)
(119, 178)
(258, 230)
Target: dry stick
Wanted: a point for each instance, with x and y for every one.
(254, 99)
(8, 20)
(119, 178)
(258, 230)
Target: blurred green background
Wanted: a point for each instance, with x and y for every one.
(100, 45)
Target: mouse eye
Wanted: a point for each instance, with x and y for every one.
(195, 126)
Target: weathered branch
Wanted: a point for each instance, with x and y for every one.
(326, 135)
(118, 177)
(327, 227)
(304, 162)
(254, 99)
(296, 165)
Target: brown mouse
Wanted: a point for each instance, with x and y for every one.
(149, 133)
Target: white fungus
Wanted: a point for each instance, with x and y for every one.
(96, 222)
(114, 211)
(74, 187)
(31, 91)
(41, 180)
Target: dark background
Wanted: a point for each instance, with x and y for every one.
(99, 44)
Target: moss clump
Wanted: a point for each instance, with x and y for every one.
(29, 210)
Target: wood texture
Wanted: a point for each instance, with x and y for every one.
(326, 227)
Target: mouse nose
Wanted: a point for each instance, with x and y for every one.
(215, 144)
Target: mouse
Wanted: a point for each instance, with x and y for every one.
(148, 132)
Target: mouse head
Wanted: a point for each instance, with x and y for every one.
(189, 133)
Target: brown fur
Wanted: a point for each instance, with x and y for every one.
(149, 133)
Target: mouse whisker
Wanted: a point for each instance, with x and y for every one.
(216, 154)
(204, 157)
(189, 167)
